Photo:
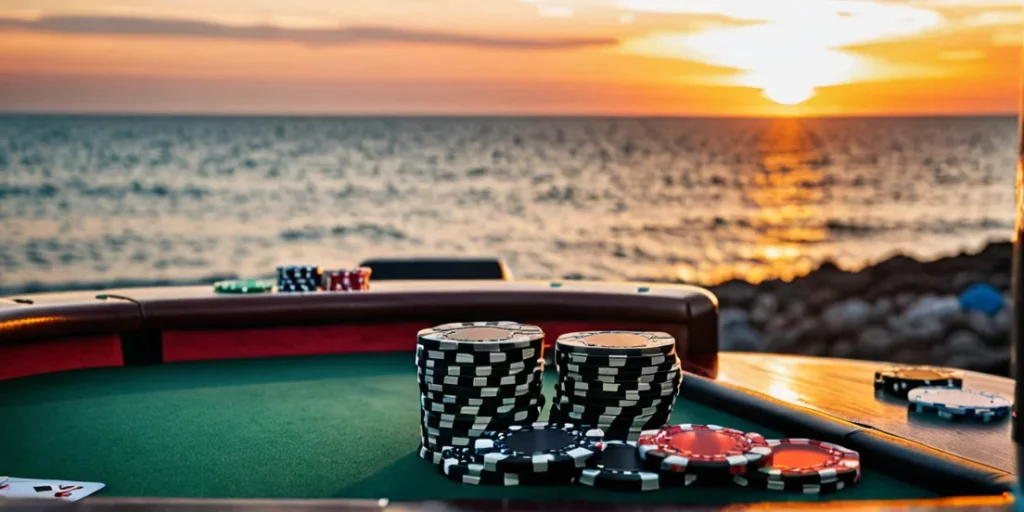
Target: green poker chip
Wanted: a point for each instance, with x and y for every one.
(243, 286)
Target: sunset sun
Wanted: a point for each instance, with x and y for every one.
(788, 94)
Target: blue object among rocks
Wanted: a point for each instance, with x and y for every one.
(981, 297)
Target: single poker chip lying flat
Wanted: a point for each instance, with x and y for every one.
(479, 381)
(458, 464)
(537, 448)
(899, 380)
(707, 449)
(486, 409)
(478, 358)
(617, 466)
(481, 337)
(808, 461)
(612, 361)
(621, 343)
(956, 403)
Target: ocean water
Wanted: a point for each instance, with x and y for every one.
(91, 200)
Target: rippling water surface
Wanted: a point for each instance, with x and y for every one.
(147, 199)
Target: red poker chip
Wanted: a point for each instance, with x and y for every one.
(347, 280)
(809, 461)
(703, 449)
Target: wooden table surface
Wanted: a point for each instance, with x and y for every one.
(844, 389)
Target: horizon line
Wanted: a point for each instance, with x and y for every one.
(454, 115)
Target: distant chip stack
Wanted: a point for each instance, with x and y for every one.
(356, 280)
(898, 381)
(298, 278)
(475, 377)
(622, 382)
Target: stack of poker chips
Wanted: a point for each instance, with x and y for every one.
(540, 453)
(347, 280)
(711, 454)
(299, 278)
(476, 377)
(622, 382)
(939, 392)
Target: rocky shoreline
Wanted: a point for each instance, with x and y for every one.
(900, 310)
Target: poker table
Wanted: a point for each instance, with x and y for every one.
(179, 398)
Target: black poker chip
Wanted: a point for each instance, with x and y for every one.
(622, 390)
(430, 455)
(531, 387)
(617, 466)
(620, 343)
(472, 401)
(435, 367)
(674, 375)
(459, 465)
(478, 358)
(589, 370)
(484, 409)
(599, 402)
(500, 336)
(757, 481)
(427, 377)
(612, 361)
(899, 380)
(537, 448)
(526, 415)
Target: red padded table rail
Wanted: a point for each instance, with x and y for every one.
(205, 345)
(21, 359)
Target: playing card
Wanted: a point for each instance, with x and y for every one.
(48, 489)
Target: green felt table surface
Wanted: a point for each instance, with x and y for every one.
(341, 426)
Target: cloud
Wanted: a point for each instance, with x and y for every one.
(117, 25)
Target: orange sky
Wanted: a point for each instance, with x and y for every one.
(665, 57)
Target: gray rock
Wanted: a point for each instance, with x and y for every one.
(883, 307)
(964, 342)
(775, 324)
(741, 338)
(990, 361)
(764, 308)
(735, 293)
(982, 324)
(964, 279)
(1002, 322)
(920, 331)
(730, 316)
(875, 342)
(904, 300)
(847, 316)
(1000, 282)
(933, 308)
(795, 310)
(843, 348)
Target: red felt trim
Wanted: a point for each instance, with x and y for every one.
(22, 359)
(289, 341)
(325, 339)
